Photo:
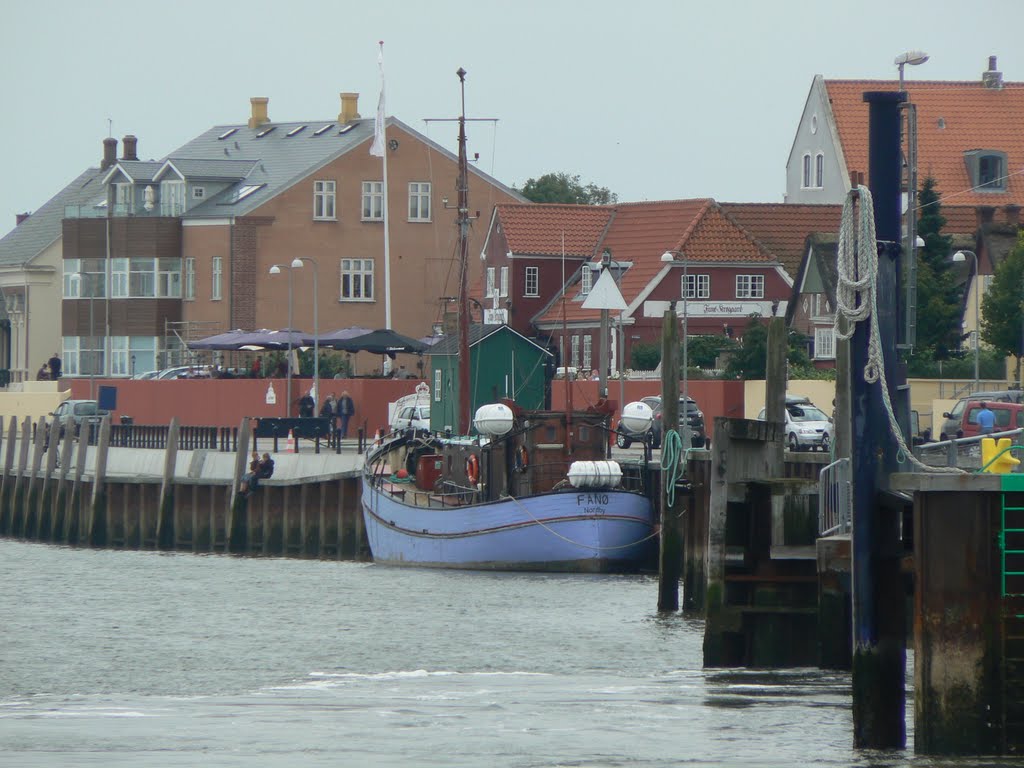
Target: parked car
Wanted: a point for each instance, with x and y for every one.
(75, 413)
(411, 417)
(951, 426)
(688, 409)
(1008, 416)
(807, 426)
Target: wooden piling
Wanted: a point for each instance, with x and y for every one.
(59, 508)
(34, 482)
(671, 552)
(165, 512)
(97, 529)
(236, 526)
(46, 494)
(7, 482)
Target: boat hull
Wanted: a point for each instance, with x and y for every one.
(593, 531)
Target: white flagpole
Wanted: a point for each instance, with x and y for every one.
(379, 148)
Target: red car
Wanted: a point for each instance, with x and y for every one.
(1008, 416)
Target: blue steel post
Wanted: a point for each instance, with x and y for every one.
(879, 654)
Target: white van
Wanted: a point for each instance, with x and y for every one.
(807, 426)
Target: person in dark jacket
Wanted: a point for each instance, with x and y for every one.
(307, 405)
(54, 363)
(345, 410)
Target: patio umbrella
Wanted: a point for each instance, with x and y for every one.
(383, 341)
(227, 340)
(431, 340)
(270, 339)
(342, 334)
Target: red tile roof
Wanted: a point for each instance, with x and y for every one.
(641, 232)
(952, 117)
(543, 228)
(783, 227)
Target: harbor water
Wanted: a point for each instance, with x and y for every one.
(144, 659)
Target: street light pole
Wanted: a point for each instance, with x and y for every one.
(276, 270)
(297, 263)
(669, 258)
(961, 256)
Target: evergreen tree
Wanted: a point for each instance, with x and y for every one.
(1002, 322)
(939, 299)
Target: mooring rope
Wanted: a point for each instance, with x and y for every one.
(858, 255)
(671, 445)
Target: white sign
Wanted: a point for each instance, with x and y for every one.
(495, 316)
(711, 308)
(271, 395)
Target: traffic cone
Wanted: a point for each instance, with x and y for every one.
(289, 444)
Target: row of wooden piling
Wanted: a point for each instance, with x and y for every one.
(43, 499)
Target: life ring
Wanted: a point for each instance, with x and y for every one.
(473, 469)
(522, 458)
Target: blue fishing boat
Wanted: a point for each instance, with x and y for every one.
(528, 490)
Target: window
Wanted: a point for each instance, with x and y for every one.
(575, 346)
(190, 279)
(122, 199)
(419, 201)
(119, 278)
(437, 385)
(82, 355)
(373, 201)
(489, 287)
(819, 170)
(807, 172)
(132, 354)
(84, 278)
(586, 280)
(198, 193)
(588, 341)
(749, 286)
(323, 200)
(986, 169)
(141, 277)
(695, 286)
(216, 264)
(172, 198)
(168, 278)
(504, 282)
(532, 282)
(357, 280)
(824, 344)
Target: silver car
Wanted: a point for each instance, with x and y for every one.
(807, 427)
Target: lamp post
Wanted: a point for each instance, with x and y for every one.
(913, 58)
(961, 256)
(668, 257)
(276, 270)
(908, 121)
(297, 264)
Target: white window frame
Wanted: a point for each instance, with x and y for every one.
(168, 278)
(531, 282)
(749, 286)
(489, 283)
(819, 170)
(324, 200)
(586, 280)
(190, 279)
(437, 385)
(172, 198)
(216, 278)
(419, 201)
(198, 193)
(356, 277)
(588, 345)
(574, 345)
(695, 286)
(824, 344)
(373, 201)
(119, 272)
(503, 290)
(805, 179)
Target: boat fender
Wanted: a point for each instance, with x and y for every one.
(522, 459)
(473, 469)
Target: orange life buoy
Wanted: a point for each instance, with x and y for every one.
(522, 458)
(473, 469)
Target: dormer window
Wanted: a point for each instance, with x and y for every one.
(986, 169)
(586, 280)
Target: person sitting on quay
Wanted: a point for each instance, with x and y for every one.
(259, 469)
(44, 373)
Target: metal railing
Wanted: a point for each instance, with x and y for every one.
(964, 452)
(835, 499)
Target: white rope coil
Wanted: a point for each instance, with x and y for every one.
(857, 263)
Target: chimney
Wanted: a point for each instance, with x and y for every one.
(20, 217)
(128, 145)
(1012, 215)
(349, 107)
(992, 78)
(984, 214)
(109, 153)
(259, 111)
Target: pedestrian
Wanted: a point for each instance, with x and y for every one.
(346, 409)
(43, 373)
(250, 478)
(257, 367)
(54, 363)
(986, 420)
(266, 469)
(307, 404)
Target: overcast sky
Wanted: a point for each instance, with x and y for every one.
(660, 99)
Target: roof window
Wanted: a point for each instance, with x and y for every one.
(227, 133)
(346, 128)
(323, 130)
(242, 193)
(265, 131)
(296, 131)
(986, 169)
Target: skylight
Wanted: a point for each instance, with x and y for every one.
(242, 193)
(325, 129)
(227, 133)
(265, 131)
(295, 131)
(346, 128)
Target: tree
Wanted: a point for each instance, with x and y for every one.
(939, 299)
(645, 357)
(749, 360)
(563, 188)
(1002, 323)
(703, 351)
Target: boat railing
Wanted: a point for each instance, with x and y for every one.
(963, 452)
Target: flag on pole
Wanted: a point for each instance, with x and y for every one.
(377, 148)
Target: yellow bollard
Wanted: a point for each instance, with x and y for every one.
(991, 448)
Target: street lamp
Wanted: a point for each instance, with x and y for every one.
(297, 264)
(668, 257)
(276, 270)
(913, 58)
(961, 256)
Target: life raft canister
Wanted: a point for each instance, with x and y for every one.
(473, 469)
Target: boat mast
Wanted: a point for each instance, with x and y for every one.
(463, 224)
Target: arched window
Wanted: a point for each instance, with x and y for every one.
(819, 170)
(807, 171)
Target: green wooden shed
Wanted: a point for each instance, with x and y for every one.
(502, 363)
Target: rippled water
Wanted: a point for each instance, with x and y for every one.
(145, 659)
